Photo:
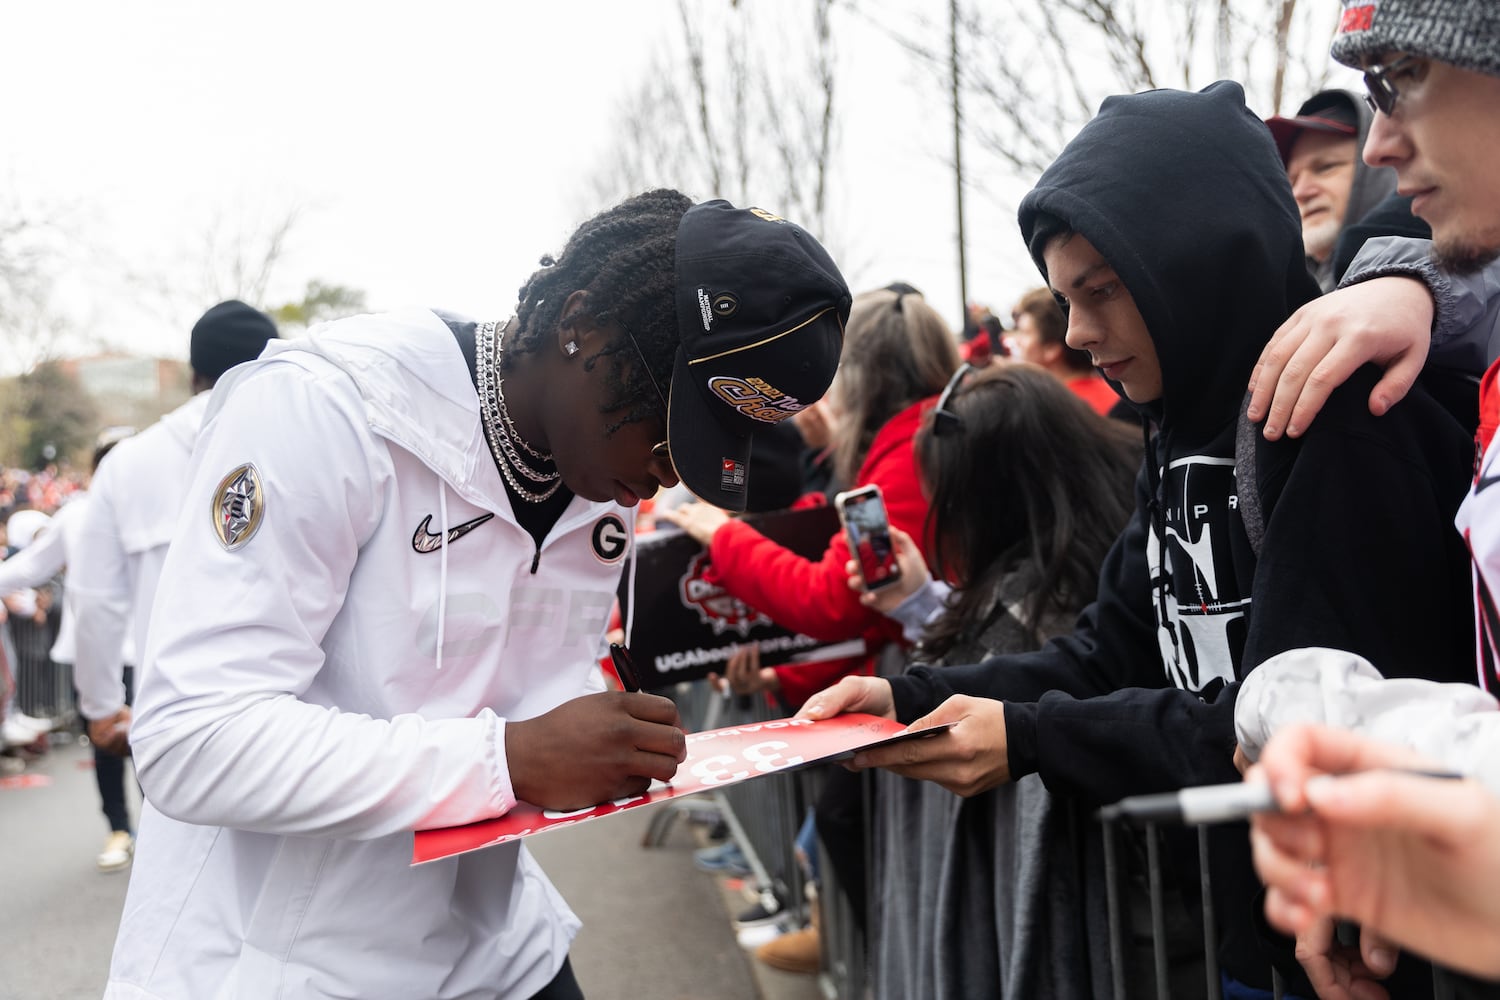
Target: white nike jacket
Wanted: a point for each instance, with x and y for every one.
(341, 677)
(134, 502)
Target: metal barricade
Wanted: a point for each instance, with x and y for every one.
(1444, 982)
(845, 973)
(43, 688)
(763, 816)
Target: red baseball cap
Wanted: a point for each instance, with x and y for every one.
(1332, 111)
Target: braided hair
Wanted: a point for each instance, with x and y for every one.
(624, 259)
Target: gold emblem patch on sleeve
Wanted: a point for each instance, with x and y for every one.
(238, 506)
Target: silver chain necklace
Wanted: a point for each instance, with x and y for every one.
(499, 430)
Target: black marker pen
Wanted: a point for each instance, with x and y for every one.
(630, 678)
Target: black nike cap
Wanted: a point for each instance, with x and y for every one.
(761, 309)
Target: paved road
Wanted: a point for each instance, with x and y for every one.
(653, 926)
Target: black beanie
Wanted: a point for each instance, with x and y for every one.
(228, 334)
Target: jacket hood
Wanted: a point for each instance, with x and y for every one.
(413, 383)
(182, 423)
(1186, 198)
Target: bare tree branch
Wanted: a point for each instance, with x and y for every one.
(694, 42)
(759, 123)
(1042, 69)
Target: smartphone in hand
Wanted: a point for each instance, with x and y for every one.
(869, 532)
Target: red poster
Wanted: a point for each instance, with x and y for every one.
(716, 758)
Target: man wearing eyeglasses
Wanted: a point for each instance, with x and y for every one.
(1432, 71)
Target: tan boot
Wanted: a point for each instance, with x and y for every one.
(117, 852)
(795, 951)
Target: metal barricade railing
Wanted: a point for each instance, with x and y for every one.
(43, 688)
(1443, 981)
(844, 973)
(763, 816)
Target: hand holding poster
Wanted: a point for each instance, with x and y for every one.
(716, 759)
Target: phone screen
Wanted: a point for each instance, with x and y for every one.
(870, 537)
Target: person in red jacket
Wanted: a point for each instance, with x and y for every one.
(898, 354)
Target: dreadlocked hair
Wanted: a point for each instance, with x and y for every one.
(624, 259)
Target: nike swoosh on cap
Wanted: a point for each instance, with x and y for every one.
(425, 541)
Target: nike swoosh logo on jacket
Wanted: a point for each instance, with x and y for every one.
(425, 541)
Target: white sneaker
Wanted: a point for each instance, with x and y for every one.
(751, 938)
(17, 734)
(31, 721)
(117, 852)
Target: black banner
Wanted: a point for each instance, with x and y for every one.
(686, 627)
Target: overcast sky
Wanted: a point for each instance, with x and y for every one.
(434, 150)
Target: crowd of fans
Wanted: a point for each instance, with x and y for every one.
(1119, 574)
(27, 501)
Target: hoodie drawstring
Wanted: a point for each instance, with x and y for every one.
(1160, 581)
(630, 591)
(442, 569)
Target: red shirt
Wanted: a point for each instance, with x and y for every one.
(813, 597)
(1094, 391)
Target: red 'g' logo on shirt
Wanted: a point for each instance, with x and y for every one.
(1357, 18)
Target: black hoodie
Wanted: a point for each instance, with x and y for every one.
(1186, 198)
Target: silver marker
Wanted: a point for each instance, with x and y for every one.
(1215, 803)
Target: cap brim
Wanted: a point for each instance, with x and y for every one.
(712, 461)
(1286, 130)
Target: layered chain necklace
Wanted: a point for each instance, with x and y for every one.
(499, 431)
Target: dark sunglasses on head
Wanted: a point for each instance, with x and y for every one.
(944, 420)
(658, 450)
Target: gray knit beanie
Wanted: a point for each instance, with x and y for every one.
(1465, 33)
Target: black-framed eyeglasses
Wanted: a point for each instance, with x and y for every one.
(1383, 92)
(660, 449)
(944, 420)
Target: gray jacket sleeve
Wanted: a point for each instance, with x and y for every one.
(1467, 307)
(1455, 725)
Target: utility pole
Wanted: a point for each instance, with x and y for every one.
(958, 159)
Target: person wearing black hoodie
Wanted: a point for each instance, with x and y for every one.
(1168, 230)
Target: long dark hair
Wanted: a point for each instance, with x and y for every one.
(1030, 478)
